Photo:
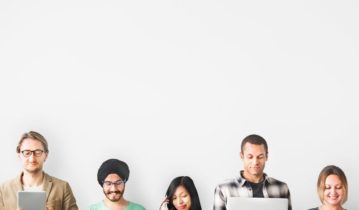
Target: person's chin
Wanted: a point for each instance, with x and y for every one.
(114, 197)
(256, 173)
(32, 166)
(334, 201)
(33, 169)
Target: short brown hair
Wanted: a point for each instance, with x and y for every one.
(35, 136)
(331, 170)
(254, 139)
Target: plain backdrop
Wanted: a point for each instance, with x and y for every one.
(172, 87)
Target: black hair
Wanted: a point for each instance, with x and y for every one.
(187, 183)
(255, 139)
(113, 166)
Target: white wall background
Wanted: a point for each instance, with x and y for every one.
(172, 87)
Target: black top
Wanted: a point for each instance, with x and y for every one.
(257, 189)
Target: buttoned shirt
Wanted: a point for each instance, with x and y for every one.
(239, 187)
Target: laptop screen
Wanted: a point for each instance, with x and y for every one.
(245, 203)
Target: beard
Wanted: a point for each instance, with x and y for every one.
(34, 170)
(114, 198)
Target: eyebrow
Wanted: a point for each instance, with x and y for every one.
(113, 181)
(182, 193)
(256, 155)
(31, 149)
(335, 185)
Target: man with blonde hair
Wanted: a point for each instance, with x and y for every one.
(33, 151)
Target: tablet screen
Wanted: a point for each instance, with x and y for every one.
(31, 200)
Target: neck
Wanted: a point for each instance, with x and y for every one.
(119, 205)
(32, 179)
(252, 178)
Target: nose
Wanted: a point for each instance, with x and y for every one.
(31, 157)
(179, 201)
(113, 187)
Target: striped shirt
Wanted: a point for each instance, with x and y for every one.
(239, 187)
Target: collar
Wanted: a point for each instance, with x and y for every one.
(242, 181)
(47, 181)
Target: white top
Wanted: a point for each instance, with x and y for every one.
(39, 188)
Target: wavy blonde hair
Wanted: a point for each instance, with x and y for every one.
(327, 171)
(35, 136)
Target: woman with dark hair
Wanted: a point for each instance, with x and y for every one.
(332, 188)
(181, 195)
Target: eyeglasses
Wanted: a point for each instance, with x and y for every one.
(115, 184)
(36, 153)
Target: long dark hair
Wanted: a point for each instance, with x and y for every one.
(187, 183)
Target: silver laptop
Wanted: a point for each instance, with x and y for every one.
(244, 203)
(31, 200)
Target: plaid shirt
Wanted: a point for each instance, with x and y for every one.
(239, 187)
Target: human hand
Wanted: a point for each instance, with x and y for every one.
(164, 204)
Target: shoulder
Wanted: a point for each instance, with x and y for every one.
(276, 188)
(230, 187)
(6, 183)
(273, 181)
(234, 182)
(56, 181)
(57, 186)
(134, 206)
(10, 184)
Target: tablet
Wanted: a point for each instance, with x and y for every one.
(31, 200)
(245, 203)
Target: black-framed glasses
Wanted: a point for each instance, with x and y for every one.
(27, 153)
(115, 184)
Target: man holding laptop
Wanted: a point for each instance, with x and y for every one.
(252, 181)
(33, 182)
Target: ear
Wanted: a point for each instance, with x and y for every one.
(46, 156)
(241, 155)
